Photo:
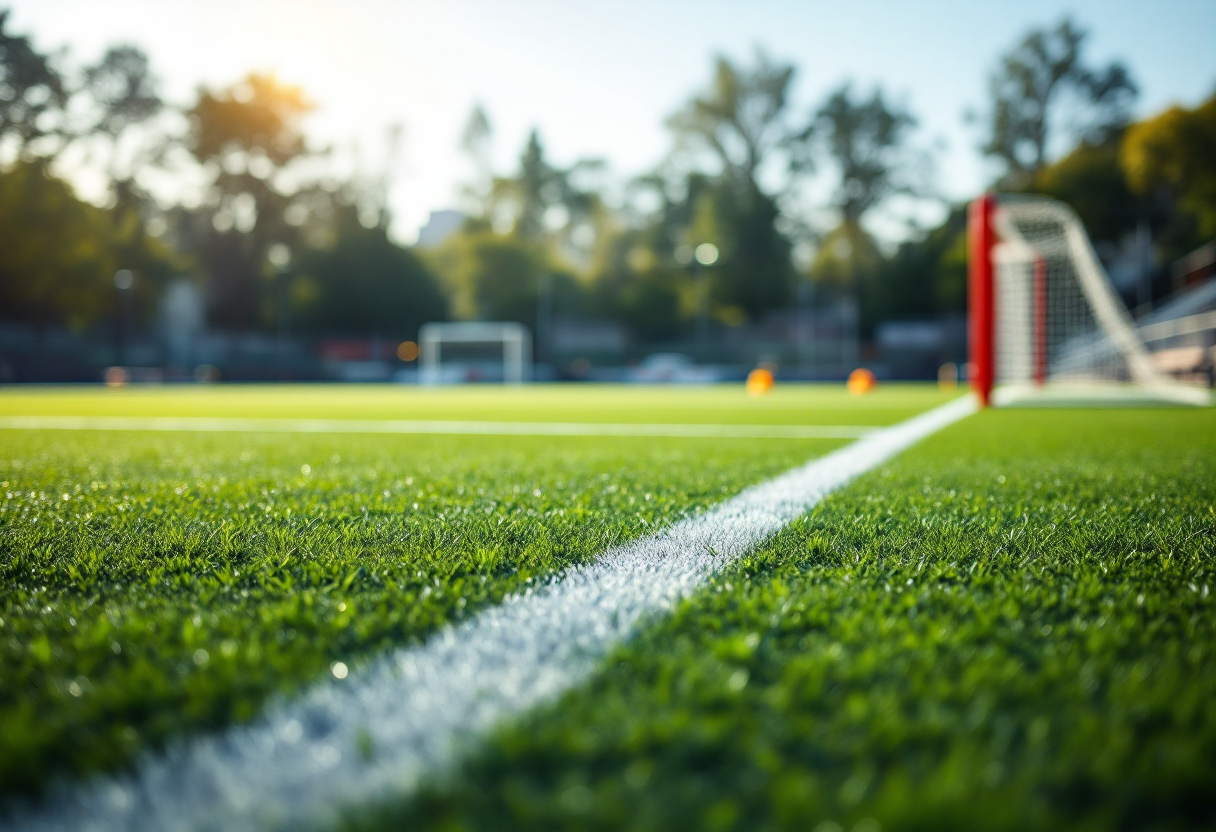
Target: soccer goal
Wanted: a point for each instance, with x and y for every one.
(467, 351)
(1045, 322)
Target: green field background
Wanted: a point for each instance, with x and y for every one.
(820, 404)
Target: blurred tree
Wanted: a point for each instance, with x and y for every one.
(1176, 152)
(530, 231)
(925, 277)
(32, 94)
(123, 94)
(124, 90)
(475, 141)
(742, 122)
(650, 305)
(257, 118)
(365, 284)
(1043, 78)
(498, 277)
(754, 274)
(846, 260)
(867, 143)
(638, 278)
(246, 137)
(525, 197)
(371, 191)
(60, 254)
(866, 140)
(546, 204)
(1089, 179)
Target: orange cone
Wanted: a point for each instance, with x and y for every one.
(861, 381)
(759, 381)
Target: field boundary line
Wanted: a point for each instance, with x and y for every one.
(409, 714)
(438, 427)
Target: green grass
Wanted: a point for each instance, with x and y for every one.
(1011, 626)
(153, 585)
(725, 404)
(1008, 627)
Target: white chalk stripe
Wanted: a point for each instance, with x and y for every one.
(407, 715)
(437, 427)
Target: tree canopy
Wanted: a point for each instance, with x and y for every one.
(1176, 150)
(788, 191)
(1044, 87)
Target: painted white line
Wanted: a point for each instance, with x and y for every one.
(434, 427)
(409, 714)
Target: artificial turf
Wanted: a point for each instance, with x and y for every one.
(1011, 626)
(719, 404)
(152, 585)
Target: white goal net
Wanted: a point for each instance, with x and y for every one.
(1059, 327)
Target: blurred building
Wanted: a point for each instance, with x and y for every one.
(598, 341)
(915, 349)
(182, 319)
(440, 226)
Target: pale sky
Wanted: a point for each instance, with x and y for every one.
(599, 78)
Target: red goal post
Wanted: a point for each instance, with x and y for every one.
(981, 239)
(1044, 319)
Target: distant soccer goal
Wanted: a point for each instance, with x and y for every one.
(471, 351)
(1045, 322)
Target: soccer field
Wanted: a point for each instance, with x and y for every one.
(1008, 625)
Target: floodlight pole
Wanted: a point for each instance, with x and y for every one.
(283, 281)
(544, 319)
(805, 325)
(429, 345)
(702, 322)
(279, 256)
(703, 256)
(124, 282)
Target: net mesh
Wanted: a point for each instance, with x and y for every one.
(1057, 317)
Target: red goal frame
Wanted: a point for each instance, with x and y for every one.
(981, 291)
(981, 300)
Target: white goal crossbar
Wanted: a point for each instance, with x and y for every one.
(514, 338)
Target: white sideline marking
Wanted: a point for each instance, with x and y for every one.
(436, 427)
(298, 765)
